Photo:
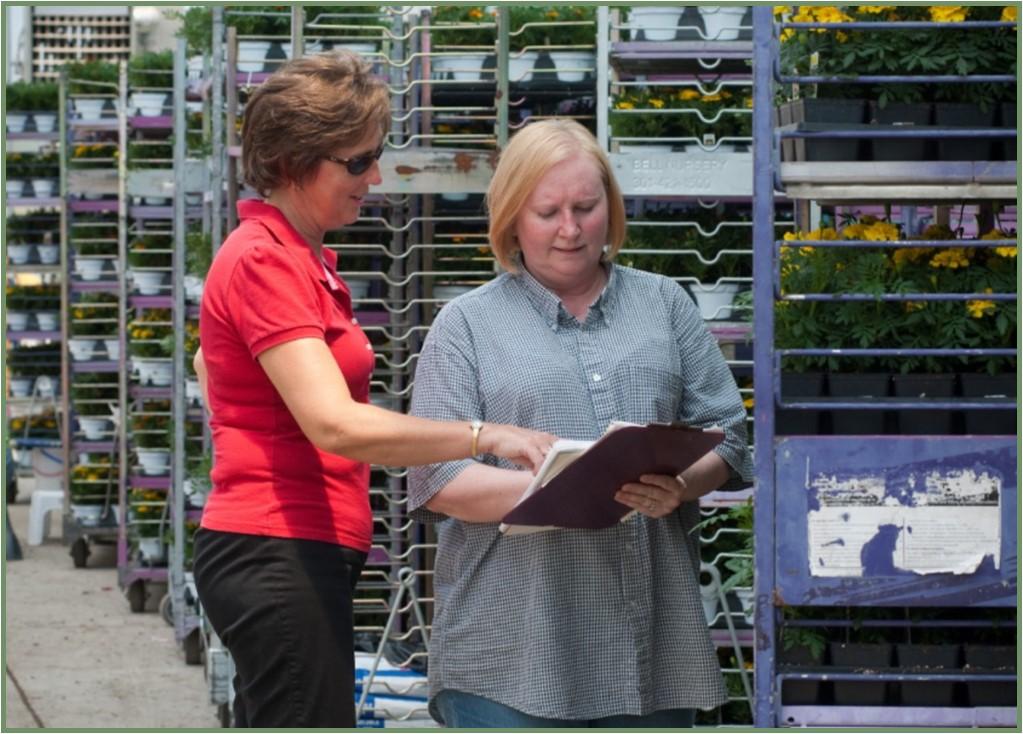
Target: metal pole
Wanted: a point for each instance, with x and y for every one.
(178, 414)
(501, 102)
(764, 163)
(122, 312)
(603, 35)
(217, 119)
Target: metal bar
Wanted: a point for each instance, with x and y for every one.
(896, 352)
(603, 80)
(897, 297)
(217, 121)
(764, 164)
(897, 79)
(122, 313)
(178, 407)
(503, 85)
(929, 131)
(897, 243)
(890, 25)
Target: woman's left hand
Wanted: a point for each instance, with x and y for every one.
(655, 495)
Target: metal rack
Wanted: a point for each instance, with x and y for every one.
(34, 398)
(93, 222)
(799, 475)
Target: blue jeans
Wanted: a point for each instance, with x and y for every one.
(466, 711)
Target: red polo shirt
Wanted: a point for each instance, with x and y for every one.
(267, 287)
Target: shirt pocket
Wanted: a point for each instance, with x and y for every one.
(653, 393)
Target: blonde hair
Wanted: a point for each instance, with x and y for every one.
(532, 152)
(304, 112)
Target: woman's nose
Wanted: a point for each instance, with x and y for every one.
(375, 176)
(569, 226)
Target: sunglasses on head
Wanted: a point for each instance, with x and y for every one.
(360, 163)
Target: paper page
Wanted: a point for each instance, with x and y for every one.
(562, 453)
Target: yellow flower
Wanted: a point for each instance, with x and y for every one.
(625, 106)
(780, 10)
(1005, 251)
(656, 103)
(881, 232)
(948, 13)
(1008, 14)
(825, 233)
(911, 306)
(475, 13)
(874, 9)
(905, 255)
(980, 309)
(831, 14)
(688, 94)
(951, 258)
(748, 403)
(553, 14)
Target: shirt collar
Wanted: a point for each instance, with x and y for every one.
(274, 220)
(549, 305)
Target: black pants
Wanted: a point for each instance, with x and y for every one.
(283, 608)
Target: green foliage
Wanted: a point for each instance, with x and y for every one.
(259, 20)
(366, 21)
(198, 253)
(196, 28)
(485, 34)
(143, 154)
(704, 232)
(671, 112)
(32, 96)
(151, 69)
(899, 324)
(950, 50)
(740, 561)
(102, 75)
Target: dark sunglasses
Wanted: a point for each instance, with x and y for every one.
(360, 163)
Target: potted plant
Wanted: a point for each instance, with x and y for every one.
(642, 115)
(91, 85)
(801, 648)
(147, 346)
(38, 98)
(154, 71)
(92, 488)
(147, 515)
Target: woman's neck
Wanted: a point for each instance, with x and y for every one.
(298, 217)
(578, 298)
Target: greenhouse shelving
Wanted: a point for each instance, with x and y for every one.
(799, 586)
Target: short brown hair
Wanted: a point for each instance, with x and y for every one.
(531, 153)
(307, 110)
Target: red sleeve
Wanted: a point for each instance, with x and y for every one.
(274, 299)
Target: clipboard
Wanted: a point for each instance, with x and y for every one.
(580, 492)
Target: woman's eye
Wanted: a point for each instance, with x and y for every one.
(547, 215)
(586, 209)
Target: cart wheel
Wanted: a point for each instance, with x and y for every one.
(167, 609)
(192, 646)
(79, 552)
(137, 596)
(224, 715)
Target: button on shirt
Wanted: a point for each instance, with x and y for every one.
(574, 624)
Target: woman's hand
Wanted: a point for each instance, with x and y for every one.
(655, 495)
(519, 445)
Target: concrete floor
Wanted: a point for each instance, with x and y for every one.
(77, 657)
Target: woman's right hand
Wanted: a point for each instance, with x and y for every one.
(519, 445)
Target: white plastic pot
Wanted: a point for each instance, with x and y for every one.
(87, 514)
(14, 188)
(154, 372)
(572, 66)
(148, 104)
(461, 67)
(154, 462)
(43, 187)
(113, 347)
(147, 282)
(45, 386)
(251, 55)
(19, 254)
(721, 22)
(152, 550)
(193, 395)
(193, 288)
(46, 122)
(93, 428)
(714, 300)
(89, 268)
(21, 387)
(89, 110)
(658, 23)
(16, 122)
(81, 349)
(520, 68)
(48, 254)
(17, 320)
(47, 320)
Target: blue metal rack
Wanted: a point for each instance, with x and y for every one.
(800, 476)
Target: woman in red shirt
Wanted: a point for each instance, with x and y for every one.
(286, 369)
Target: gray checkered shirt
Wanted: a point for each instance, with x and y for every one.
(574, 624)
